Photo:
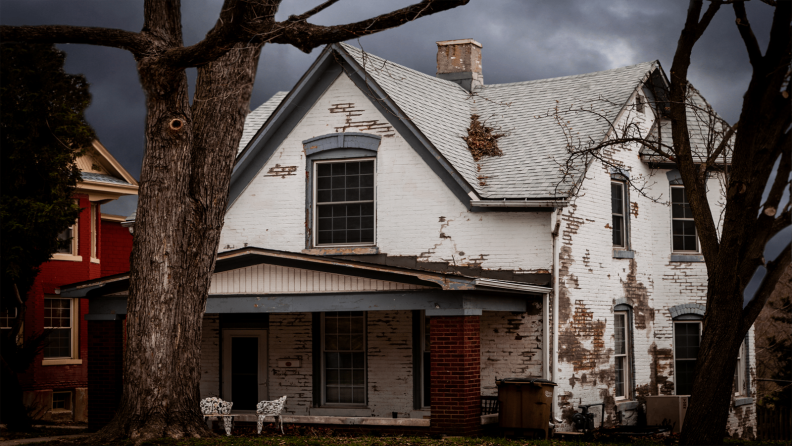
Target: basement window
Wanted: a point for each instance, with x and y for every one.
(61, 401)
(344, 207)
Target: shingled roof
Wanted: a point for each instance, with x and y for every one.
(534, 145)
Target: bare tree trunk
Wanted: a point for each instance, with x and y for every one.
(190, 153)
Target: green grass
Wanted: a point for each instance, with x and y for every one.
(332, 440)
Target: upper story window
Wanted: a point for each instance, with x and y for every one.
(94, 231)
(619, 214)
(345, 204)
(66, 234)
(683, 229)
(622, 354)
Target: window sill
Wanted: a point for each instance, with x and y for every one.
(67, 257)
(421, 414)
(743, 401)
(94, 260)
(64, 361)
(345, 251)
(622, 406)
(687, 258)
(339, 411)
(623, 253)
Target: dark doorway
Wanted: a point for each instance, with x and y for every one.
(244, 373)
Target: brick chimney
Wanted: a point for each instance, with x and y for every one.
(460, 61)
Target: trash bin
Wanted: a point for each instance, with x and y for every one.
(525, 404)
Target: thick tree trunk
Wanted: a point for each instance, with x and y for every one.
(186, 171)
(708, 411)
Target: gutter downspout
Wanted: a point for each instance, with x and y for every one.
(546, 338)
(554, 370)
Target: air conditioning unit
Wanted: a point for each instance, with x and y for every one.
(667, 410)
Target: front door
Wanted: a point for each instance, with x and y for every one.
(244, 368)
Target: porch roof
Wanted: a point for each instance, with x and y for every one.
(409, 288)
(249, 256)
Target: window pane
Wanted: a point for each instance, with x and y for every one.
(350, 183)
(684, 376)
(617, 199)
(618, 230)
(619, 330)
(620, 369)
(65, 235)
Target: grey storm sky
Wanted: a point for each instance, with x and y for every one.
(522, 40)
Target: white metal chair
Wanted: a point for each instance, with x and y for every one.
(215, 407)
(270, 408)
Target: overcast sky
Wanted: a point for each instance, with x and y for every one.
(522, 40)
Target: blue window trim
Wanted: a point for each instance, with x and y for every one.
(334, 146)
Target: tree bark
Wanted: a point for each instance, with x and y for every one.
(187, 168)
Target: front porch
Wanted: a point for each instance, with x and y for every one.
(392, 347)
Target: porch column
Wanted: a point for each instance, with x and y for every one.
(105, 370)
(455, 343)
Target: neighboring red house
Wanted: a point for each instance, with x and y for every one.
(55, 386)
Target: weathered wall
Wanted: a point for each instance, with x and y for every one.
(511, 346)
(290, 338)
(417, 215)
(210, 356)
(390, 363)
(592, 282)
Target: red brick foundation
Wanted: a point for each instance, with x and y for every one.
(105, 370)
(456, 375)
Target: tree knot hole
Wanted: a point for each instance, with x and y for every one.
(176, 124)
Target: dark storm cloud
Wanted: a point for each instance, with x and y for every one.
(522, 40)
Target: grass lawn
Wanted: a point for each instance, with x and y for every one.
(315, 437)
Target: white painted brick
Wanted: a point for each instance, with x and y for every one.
(511, 346)
(290, 338)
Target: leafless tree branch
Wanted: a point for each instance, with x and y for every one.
(751, 44)
(115, 38)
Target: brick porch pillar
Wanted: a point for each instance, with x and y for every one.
(455, 343)
(105, 370)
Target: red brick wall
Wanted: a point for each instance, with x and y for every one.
(105, 371)
(54, 274)
(456, 374)
(116, 246)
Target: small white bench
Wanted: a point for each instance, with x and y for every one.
(272, 409)
(217, 408)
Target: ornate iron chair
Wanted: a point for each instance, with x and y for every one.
(270, 409)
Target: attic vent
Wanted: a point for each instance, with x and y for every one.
(639, 103)
(482, 140)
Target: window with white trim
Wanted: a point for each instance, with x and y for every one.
(7, 316)
(94, 230)
(683, 228)
(344, 205)
(66, 234)
(59, 321)
(344, 357)
(619, 214)
(740, 381)
(622, 354)
(687, 336)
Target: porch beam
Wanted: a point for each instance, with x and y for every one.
(437, 303)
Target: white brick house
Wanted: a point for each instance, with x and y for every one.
(359, 221)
